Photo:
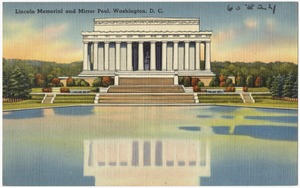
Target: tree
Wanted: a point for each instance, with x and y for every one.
(214, 81)
(240, 81)
(258, 81)
(269, 82)
(249, 81)
(277, 86)
(97, 82)
(39, 80)
(5, 87)
(18, 85)
(70, 81)
(31, 79)
(295, 89)
(229, 82)
(288, 86)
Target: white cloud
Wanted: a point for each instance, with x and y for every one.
(251, 23)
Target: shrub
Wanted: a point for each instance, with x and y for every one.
(194, 82)
(95, 89)
(97, 82)
(64, 90)
(84, 83)
(55, 81)
(180, 80)
(230, 89)
(187, 81)
(70, 81)
(47, 89)
(196, 88)
(215, 81)
(223, 84)
(107, 81)
(245, 89)
(200, 84)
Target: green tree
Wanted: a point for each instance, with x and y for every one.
(19, 85)
(277, 86)
(97, 82)
(229, 82)
(288, 86)
(249, 81)
(5, 87)
(240, 81)
(269, 82)
(214, 81)
(295, 89)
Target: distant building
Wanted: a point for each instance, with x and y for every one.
(152, 48)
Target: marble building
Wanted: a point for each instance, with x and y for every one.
(152, 48)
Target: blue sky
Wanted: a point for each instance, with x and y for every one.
(238, 35)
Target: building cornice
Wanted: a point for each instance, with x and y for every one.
(146, 21)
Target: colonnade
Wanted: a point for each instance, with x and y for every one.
(133, 56)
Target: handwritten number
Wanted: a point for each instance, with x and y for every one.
(229, 8)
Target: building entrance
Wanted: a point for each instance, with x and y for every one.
(147, 56)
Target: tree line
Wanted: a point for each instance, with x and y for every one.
(19, 76)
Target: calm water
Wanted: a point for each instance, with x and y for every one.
(211, 145)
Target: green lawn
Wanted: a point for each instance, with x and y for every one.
(262, 100)
(258, 89)
(220, 98)
(30, 104)
(80, 99)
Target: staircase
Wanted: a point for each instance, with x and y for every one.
(146, 94)
(247, 98)
(49, 98)
(147, 98)
(145, 89)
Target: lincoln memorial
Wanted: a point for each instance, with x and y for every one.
(161, 49)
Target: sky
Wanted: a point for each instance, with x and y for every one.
(239, 33)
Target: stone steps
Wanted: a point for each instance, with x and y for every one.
(145, 89)
(48, 99)
(147, 99)
(247, 98)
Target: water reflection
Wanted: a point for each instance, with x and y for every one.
(147, 161)
(74, 111)
(262, 132)
(283, 119)
(24, 114)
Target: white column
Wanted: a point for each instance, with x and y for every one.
(129, 56)
(118, 55)
(95, 66)
(141, 56)
(197, 55)
(101, 57)
(207, 56)
(85, 56)
(106, 46)
(164, 56)
(153, 56)
(175, 59)
(186, 55)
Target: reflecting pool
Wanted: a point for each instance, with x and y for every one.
(156, 145)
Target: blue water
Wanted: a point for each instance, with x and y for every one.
(249, 146)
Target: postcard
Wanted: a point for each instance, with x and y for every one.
(150, 93)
